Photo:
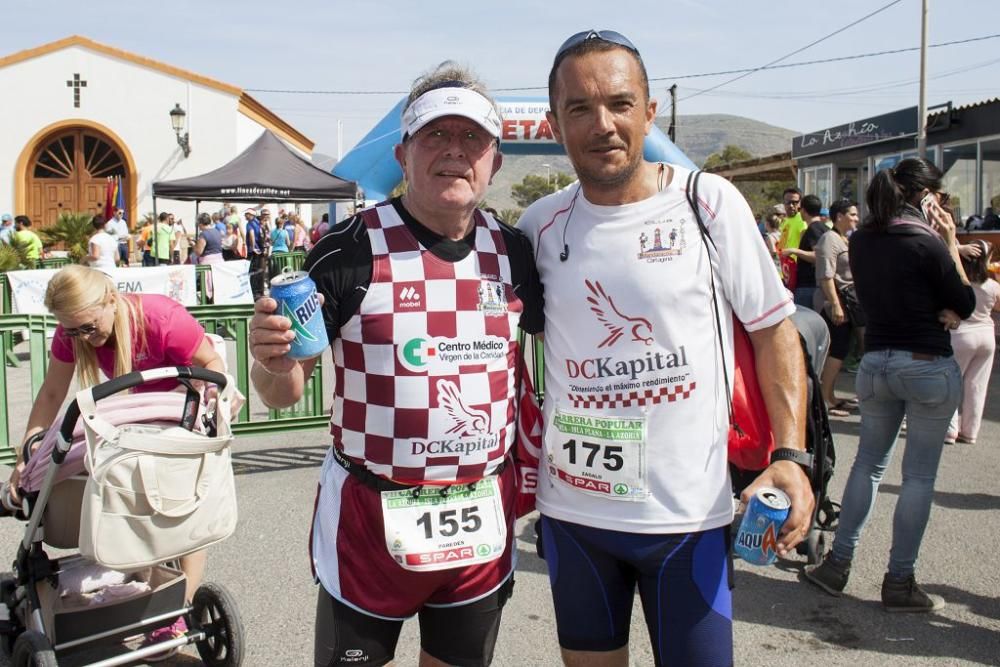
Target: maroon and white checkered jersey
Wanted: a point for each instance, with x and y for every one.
(425, 366)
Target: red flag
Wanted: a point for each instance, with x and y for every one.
(109, 200)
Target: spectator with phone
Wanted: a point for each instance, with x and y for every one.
(908, 275)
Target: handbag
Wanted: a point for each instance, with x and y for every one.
(852, 307)
(789, 272)
(155, 493)
(750, 441)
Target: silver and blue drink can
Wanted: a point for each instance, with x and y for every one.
(297, 300)
(757, 538)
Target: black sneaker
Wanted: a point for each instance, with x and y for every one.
(830, 575)
(904, 595)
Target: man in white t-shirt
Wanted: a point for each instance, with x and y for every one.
(634, 489)
(179, 242)
(118, 227)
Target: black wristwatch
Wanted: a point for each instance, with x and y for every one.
(804, 459)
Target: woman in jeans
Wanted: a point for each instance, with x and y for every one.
(911, 285)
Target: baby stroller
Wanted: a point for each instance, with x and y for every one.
(135, 531)
(815, 340)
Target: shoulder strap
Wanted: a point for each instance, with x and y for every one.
(692, 198)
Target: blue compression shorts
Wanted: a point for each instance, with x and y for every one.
(684, 583)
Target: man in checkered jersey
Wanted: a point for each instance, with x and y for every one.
(422, 295)
(635, 491)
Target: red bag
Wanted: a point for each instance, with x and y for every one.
(789, 272)
(750, 438)
(527, 444)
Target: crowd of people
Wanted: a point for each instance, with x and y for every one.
(226, 235)
(809, 244)
(16, 230)
(914, 307)
(220, 236)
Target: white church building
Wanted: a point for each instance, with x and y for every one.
(77, 111)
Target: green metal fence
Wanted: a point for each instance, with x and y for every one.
(53, 262)
(37, 327)
(201, 271)
(286, 261)
(231, 322)
(7, 337)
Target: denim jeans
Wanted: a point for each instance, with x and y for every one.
(891, 384)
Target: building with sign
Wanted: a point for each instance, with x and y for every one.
(83, 112)
(964, 142)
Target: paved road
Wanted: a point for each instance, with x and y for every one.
(779, 620)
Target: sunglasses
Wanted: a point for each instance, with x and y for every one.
(604, 35)
(85, 330)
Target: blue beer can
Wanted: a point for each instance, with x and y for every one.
(757, 538)
(297, 300)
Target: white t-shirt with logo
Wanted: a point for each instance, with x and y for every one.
(636, 421)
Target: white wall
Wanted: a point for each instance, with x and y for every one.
(133, 102)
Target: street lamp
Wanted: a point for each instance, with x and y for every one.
(548, 173)
(177, 117)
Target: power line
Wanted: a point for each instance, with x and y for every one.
(823, 60)
(799, 50)
(654, 79)
(845, 92)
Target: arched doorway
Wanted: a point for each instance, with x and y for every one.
(68, 171)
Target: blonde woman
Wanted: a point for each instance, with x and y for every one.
(101, 331)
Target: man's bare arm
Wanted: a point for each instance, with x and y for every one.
(782, 376)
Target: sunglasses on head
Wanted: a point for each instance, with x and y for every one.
(84, 330)
(604, 35)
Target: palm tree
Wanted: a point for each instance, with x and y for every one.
(13, 257)
(72, 231)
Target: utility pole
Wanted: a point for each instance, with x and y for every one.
(922, 112)
(340, 140)
(672, 130)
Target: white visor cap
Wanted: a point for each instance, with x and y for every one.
(451, 102)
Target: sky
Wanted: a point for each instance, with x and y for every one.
(378, 46)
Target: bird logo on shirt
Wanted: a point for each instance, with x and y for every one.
(469, 421)
(616, 322)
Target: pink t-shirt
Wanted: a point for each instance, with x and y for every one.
(172, 337)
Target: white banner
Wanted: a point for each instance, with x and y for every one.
(231, 282)
(27, 288)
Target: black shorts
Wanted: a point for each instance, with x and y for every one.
(840, 337)
(463, 635)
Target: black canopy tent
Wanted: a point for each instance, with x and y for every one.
(267, 171)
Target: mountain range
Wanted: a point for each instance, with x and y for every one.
(698, 135)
